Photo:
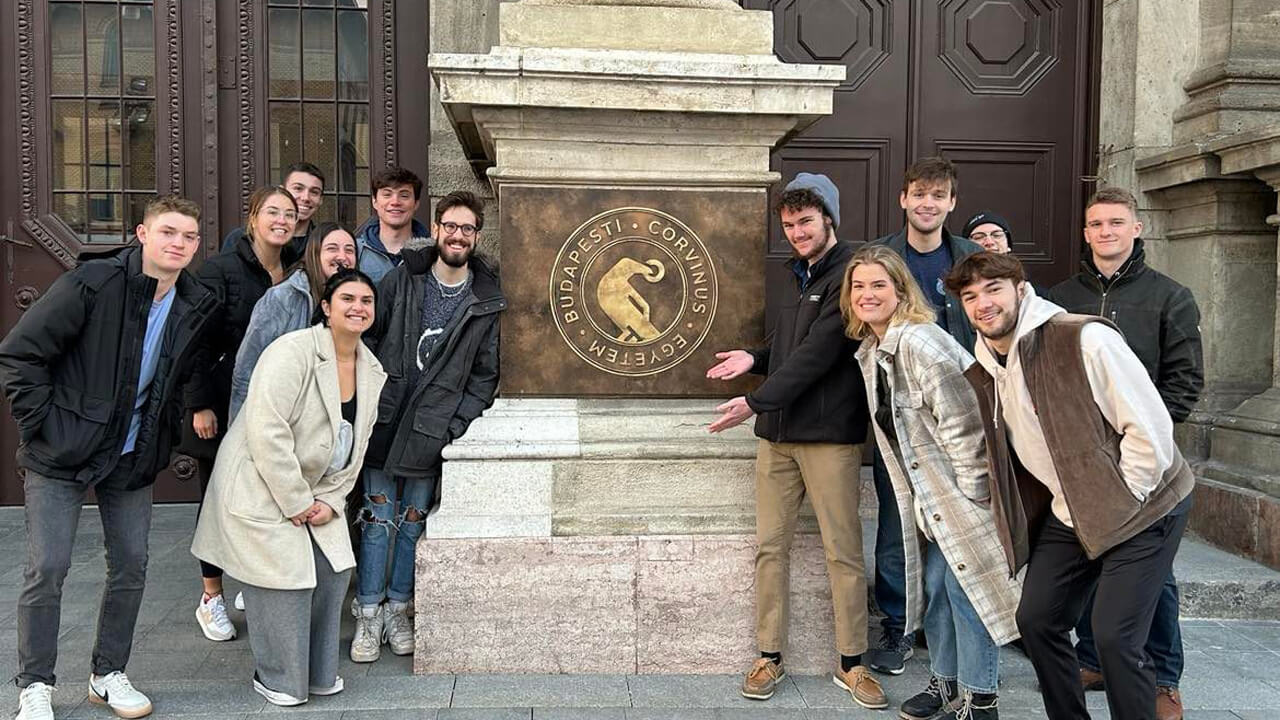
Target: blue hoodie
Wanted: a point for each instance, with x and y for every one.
(375, 261)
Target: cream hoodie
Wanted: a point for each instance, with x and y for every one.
(1121, 389)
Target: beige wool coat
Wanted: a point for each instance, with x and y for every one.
(275, 461)
(939, 470)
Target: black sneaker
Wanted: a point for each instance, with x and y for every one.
(976, 707)
(892, 654)
(940, 696)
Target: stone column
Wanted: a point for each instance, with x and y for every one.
(588, 522)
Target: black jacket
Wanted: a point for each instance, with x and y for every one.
(957, 322)
(1159, 319)
(70, 367)
(417, 419)
(813, 391)
(239, 281)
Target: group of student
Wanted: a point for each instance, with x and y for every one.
(1027, 478)
(294, 363)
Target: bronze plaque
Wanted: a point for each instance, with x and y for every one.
(628, 292)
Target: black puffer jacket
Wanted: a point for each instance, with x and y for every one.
(239, 282)
(417, 419)
(813, 391)
(69, 369)
(1159, 319)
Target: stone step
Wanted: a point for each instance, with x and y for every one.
(1215, 584)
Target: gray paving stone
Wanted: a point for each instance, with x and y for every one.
(541, 691)
(419, 714)
(1216, 639)
(484, 714)
(591, 713)
(752, 713)
(174, 699)
(381, 693)
(703, 691)
(1265, 634)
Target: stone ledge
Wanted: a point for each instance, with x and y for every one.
(1241, 521)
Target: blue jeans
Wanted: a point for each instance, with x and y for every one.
(378, 521)
(1164, 642)
(960, 648)
(891, 559)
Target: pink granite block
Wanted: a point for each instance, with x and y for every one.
(697, 615)
(539, 605)
(625, 604)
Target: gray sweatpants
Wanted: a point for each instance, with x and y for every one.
(294, 633)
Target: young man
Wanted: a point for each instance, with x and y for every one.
(1161, 324)
(305, 183)
(93, 373)
(813, 421)
(990, 231)
(396, 193)
(1089, 490)
(436, 334)
(928, 195)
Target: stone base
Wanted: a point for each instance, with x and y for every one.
(618, 604)
(1239, 520)
(542, 467)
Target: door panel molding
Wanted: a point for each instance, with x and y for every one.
(1020, 175)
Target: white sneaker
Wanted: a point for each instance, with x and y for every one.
(399, 628)
(239, 601)
(334, 689)
(366, 646)
(35, 702)
(274, 697)
(115, 691)
(211, 614)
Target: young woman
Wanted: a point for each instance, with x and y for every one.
(274, 517)
(929, 431)
(239, 279)
(289, 306)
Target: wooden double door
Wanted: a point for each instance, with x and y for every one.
(1005, 89)
(109, 102)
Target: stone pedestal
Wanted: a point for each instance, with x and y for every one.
(589, 522)
(1217, 190)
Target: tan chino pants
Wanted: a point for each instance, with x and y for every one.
(830, 475)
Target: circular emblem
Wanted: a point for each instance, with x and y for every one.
(633, 291)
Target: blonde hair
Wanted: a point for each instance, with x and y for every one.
(913, 308)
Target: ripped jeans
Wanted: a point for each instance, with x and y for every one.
(378, 522)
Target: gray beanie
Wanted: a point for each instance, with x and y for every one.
(821, 186)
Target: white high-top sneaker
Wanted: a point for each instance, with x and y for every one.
(399, 628)
(35, 702)
(366, 646)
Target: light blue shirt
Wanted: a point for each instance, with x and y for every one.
(156, 319)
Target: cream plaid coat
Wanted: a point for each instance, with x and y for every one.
(939, 469)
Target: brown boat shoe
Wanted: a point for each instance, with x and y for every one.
(864, 688)
(762, 679)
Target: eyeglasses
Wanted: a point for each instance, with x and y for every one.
(275, 213)
(450, 228)
(994, 235)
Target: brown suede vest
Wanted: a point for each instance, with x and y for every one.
(1084, 447)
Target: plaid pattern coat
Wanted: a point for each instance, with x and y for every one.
(939, 469)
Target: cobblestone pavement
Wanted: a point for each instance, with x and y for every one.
(1233, 667)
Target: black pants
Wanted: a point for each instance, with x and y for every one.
(1129, 578)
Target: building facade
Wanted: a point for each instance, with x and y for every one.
(112, 101)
